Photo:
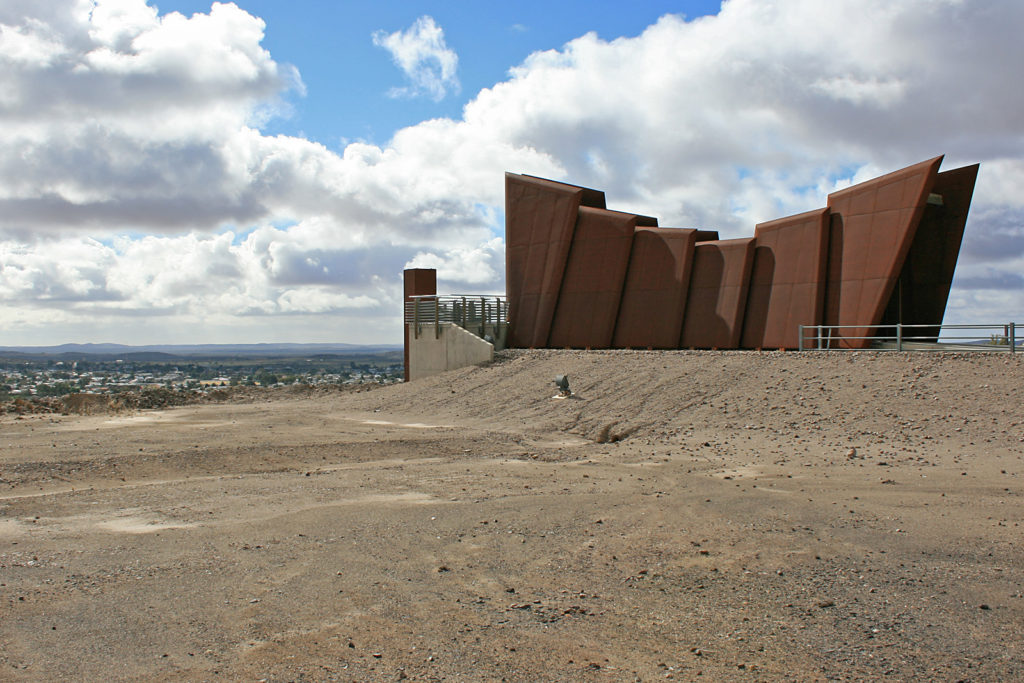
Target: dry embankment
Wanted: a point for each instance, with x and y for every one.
(729, 515)
(868, 398)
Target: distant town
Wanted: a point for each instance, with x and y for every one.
(26, 373)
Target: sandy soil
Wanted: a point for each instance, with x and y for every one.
(690, 516)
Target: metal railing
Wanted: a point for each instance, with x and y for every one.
(1001, 337)
(471, 312)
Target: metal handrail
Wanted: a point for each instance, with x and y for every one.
(995, 337)
(470, 312)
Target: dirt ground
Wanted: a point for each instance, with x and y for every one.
(686, 515)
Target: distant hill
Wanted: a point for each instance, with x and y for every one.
(158, 352)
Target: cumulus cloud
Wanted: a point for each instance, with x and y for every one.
(215, 276)
(133, 120)
(135, 182)
(423, 56)
(466, 268)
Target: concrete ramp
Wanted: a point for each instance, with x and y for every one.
(447, 348)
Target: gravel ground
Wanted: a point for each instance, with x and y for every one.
(685, 515)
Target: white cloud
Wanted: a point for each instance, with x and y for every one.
(59, 273)
(136, 185)
(117, 24)
(423, 56)
(859, 92)
(321, 300)
(465, 268)
(188, 276)
(23, 45)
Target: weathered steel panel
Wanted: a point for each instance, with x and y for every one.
(654, 296)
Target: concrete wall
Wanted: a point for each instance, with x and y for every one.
(452, 348)
(418, 282)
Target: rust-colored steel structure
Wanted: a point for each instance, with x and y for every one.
(787, 284)
(658, 277)
(716, 302)
(880, 252)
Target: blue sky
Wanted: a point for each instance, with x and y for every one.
(347, 77)
(196, 172)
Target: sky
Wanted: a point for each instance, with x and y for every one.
(259, 171)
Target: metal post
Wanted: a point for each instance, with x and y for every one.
(899, 336)
(463, 312)
(437, 318)
(899, 301)
(800, 342)
(1012, 338)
